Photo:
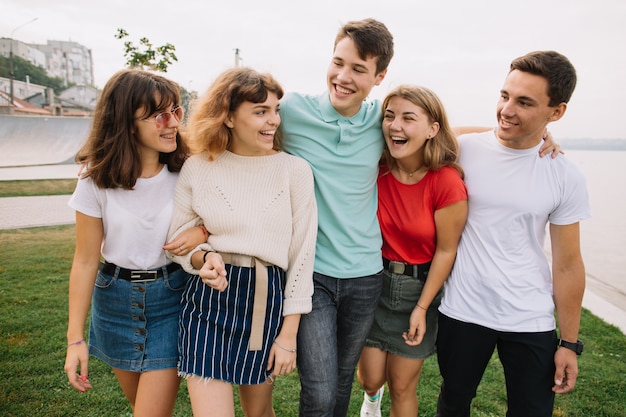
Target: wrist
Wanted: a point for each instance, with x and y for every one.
(204, 231)
(205, 255)
(76, 342)
(288, 349)
(197, 259)
(576, 346)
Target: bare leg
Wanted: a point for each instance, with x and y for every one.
(210, 398)
(256, 400)
(403, 376)
(150, 393)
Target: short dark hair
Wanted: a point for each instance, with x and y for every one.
(555, 68)
(372, 39)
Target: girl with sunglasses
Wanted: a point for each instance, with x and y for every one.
(124, 204)
(253, 279)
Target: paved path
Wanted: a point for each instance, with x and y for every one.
(21, 212)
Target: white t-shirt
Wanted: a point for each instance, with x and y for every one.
(135, 221)
(501, 278)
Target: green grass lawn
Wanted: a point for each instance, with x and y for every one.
(34, 268)
(36, 187)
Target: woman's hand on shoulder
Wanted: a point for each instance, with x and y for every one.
(549, 146)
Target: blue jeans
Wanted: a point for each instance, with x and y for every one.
(464, 351)
(330, 339)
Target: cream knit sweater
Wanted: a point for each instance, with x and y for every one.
(262, 206)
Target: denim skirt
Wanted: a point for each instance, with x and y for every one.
(398, 299)
(214, 333)
(134, 326)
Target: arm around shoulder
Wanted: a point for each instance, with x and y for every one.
(463, 130)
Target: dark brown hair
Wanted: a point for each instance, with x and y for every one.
(555, 68)
(371, 38)
(111, 153)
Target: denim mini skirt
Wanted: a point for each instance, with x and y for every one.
(134, 325)
(397, 301)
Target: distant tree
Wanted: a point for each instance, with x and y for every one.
(36, 74)
(146, 56)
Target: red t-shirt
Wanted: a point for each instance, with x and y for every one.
(406, 213)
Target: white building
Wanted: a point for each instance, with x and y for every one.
(21, 89)
(28, 52)
(70, 61)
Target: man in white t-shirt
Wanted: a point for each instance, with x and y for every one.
(501, 293)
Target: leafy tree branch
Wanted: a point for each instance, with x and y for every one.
(145, 55)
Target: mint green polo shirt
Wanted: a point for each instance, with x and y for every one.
(344, 153)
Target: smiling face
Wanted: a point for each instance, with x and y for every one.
(253, 127)
(523, 111)
(406, 128)
(350, 78)
(153, 139)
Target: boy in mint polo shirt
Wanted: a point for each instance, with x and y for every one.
(339, 134)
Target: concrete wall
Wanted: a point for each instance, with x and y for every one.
(37, 140)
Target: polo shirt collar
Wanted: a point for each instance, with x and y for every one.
(329, 114)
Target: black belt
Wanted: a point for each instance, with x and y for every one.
(137, 275)
(417, 271)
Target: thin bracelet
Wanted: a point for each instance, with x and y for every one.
(425, 309)
(204, 231)
(294, 350)
(204, 256)
(78, 342)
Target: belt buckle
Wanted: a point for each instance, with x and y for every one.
(242, 260)
(143, 276)
(396, 267)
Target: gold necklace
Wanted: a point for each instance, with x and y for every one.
(409, 172)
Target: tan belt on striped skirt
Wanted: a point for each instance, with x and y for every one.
(260, 293)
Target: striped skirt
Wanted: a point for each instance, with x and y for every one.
(214, 327)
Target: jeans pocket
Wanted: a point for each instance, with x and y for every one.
(103, 281)
(177, 280)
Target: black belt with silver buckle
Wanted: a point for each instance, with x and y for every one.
(137, 275)
(417, 271)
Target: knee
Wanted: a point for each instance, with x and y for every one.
(368, 382)
(401, 393)
(258, 411)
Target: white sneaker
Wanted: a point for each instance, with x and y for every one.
(372, 408)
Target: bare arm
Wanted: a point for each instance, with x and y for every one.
(449, 222)
(549, 146)
(568, 272)
(283, 352)
(186, 240)
(89, 234)
(462, 130)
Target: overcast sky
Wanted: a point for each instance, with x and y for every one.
(459, 48)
